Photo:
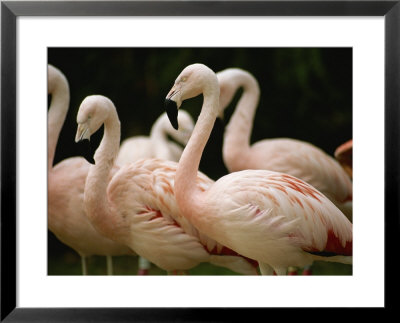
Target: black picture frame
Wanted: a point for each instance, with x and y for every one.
(11, 10)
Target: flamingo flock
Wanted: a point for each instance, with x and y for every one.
(283, 205)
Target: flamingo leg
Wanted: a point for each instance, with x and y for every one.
(109, 265)
(307, 270)
(180, 272)
(177, 272)
(280, 271)
(266, 269)
(144, 266)
(84, 267)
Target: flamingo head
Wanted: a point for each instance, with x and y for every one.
(231, 80)
(227, 87)
(92, 113)
(193, 80)
(344, 149)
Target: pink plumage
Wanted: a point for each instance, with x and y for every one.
(137, 207)
(274, 218)
(158, 145)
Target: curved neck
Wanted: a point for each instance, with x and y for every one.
(56, 117)
(186, 191)
(158, 130)
(96, 201)
(238, 131)
(158, 137)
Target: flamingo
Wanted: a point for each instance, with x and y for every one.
(137, 207)
(344, 155)
(291, 156)
(294, 157)
(66, 181)
(156, 145)
(272, 217)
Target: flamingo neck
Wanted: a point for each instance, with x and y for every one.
(238, 131)
(56, 117)
(188, 194)
(158, 130)
(158, 137)
(96, 201)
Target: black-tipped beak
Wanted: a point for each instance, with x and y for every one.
(221, 120)
(86, 151)
(172, 112)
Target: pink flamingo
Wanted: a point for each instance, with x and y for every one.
(159, 146)
(274, 218)
(344, 155)
(297, 158)
(66, 181)
(137, 206)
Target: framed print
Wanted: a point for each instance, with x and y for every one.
(347, 64)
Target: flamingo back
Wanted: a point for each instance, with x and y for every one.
(286, 221)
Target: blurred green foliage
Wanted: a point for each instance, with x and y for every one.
(306, 93)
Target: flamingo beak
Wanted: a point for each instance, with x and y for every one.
(172, 112)
(82, 132)
(172, 104)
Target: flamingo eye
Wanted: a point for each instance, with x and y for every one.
(183, 79)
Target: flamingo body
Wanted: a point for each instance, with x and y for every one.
(302, 160)
(272, 217)
(67, 217)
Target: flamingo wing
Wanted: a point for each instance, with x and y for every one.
(285, 218)
(146, 221)
(157, 230)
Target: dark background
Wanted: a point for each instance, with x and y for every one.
(306, 93)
